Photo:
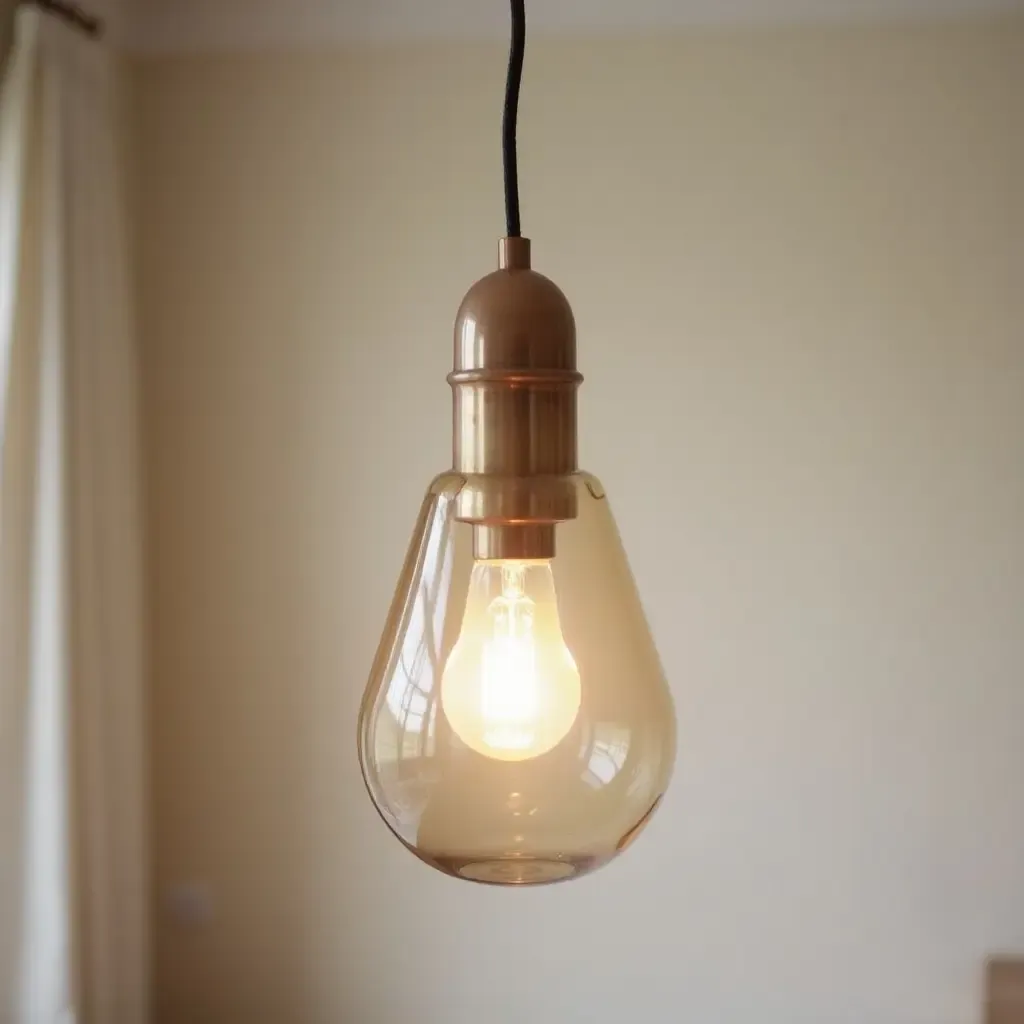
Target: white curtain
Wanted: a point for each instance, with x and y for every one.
(73, 890)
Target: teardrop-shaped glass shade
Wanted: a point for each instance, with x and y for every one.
(516, 728)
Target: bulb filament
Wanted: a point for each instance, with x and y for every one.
(509, 696)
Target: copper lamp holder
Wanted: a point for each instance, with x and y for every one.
(514, 388)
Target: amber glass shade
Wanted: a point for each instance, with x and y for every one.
(516, 728)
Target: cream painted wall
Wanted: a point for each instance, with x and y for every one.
(797, 262)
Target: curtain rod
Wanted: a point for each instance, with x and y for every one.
(70, 12)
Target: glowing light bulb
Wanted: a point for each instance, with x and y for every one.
(511, 688)
(486, 750)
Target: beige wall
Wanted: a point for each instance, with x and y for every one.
(797, 262)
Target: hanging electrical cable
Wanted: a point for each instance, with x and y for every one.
(517, 52)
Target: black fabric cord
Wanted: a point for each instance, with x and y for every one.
(517, 51)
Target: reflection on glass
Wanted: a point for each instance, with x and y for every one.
(607, 755)
(411, 696)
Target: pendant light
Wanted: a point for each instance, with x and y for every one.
(516, 728)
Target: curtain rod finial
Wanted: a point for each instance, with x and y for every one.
(70, 12)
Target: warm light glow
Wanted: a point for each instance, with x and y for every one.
(511, 689)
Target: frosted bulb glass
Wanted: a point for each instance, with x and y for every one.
(511, 688)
